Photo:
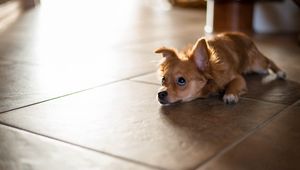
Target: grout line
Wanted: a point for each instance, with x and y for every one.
(72, 93)
(265, 101)
(148, 73)
(83, 147)
(61, 96)
(138, 75)
(251, 132)
(144, 82)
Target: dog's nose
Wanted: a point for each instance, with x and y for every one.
(162, 95)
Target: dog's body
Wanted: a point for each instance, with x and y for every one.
(210, 66)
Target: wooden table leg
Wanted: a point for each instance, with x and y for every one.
(229, 16)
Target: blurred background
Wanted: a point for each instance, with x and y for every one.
(78, 86)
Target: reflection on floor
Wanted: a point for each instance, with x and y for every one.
(78, 91)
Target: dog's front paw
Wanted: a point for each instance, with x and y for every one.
(281, 75)
(230, 98)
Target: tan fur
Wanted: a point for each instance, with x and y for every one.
(210, 66)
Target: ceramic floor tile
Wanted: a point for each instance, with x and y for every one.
(275, 146)
(43, 57)
(139, 24)
(22, 150)
(26, 83)
(268, 89)
(125, 119)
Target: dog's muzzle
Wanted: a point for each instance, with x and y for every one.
(162, 97)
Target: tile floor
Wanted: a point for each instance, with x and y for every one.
(78, 91)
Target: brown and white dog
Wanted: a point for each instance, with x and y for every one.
(210, 66)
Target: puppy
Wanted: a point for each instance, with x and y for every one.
(211, 66)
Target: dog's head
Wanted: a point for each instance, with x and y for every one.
(184, 74)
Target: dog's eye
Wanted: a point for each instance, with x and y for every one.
(163, 81)
(181, 81)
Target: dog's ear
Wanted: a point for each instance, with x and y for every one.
(167, 52)
(200, 54)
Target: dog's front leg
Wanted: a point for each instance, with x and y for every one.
(234, 89)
